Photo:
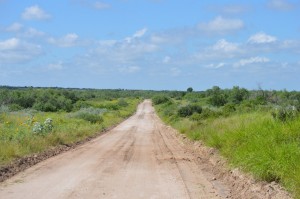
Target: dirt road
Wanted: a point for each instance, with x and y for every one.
(140, 158)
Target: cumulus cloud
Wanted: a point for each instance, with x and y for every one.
(68, 40)
(221, 50)
(33, 33)
(225, 46)
(252, 60)
(15, 27)
(221, 25)
(35, 13)
(262, 38)
(14, 50)
(128, 53)
(281, 5)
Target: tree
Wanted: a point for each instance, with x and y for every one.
(216, 96)
(237, 94)
(190, 89)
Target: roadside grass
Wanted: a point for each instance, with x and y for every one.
(255, 142)
(17, 138)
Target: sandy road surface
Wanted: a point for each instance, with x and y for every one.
(139, 158)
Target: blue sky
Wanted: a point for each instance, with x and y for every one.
(150, 44)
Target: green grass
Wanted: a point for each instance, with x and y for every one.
(255, 142)
(17, 138)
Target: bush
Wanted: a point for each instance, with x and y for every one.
(160, 99)
(90, 117)
(228, 109)
(15, 107)
(196, 117)
(208, 113)
(285, 114)
(90, 114)
(122, 102)
(188, 110)
(45, 128)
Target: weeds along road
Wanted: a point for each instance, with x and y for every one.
(140, 158)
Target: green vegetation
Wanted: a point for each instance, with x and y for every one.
(257, 131)
(33, 120)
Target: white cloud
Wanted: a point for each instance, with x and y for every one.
(216, 66)
(140, 33)
(68, 40)
(262, 38)
(101, 5)
(234, 9)
(31, 32)
(55, 66)
(15, 27)
(166, 59)
(158, 39)
(128, 53)
(129, 69)
(225, 46)
(136, 35)
(9, 44)
(107, 43)
(221, 50)
(35, 13)
(282, 5)
(252, 60)
(221, 25)
(15, 50)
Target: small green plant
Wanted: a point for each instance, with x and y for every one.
(44, 128)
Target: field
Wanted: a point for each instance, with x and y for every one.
(256, 131)
(256, 134)
(25, 131)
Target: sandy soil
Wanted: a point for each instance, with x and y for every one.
(140, 158)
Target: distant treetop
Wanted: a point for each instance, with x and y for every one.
(190, 89)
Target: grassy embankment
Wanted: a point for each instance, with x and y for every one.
(24, 132)
(251, 140)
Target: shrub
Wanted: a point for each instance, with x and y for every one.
(228, 109)
(208, 113)
(122, 102)
(44, 128)
(188, 110)
(160, 99)
(196, 117)
(90, 114)
(4, 109)
(93, 118)
(284, 114)
(15, 107)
